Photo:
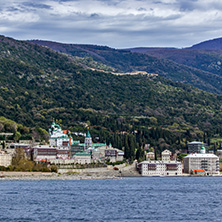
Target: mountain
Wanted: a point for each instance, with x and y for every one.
(215, 44)
(205, 57)
(169, 63)
(38, 84)
(204, 60)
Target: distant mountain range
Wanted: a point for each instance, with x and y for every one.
(215, 44)
(201, 68)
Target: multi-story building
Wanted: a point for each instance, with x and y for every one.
(77, 147)
(195, 147)
(82, 158)
(150, 156)
(49, 152)
(166, 154)
(160, 168)
(99, 151)
(113, 154)
(164, 167)
(59, 137)
(87, 146)
(201, 161)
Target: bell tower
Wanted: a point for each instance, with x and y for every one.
(88, 140)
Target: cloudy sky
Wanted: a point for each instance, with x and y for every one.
(116, 23)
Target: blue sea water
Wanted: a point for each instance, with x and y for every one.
(128, 199)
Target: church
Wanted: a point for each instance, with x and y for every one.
(59, 137)
(83, 152)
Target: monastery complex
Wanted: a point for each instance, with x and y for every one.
(63, 150)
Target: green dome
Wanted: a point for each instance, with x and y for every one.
(202, 150)
(58, 126)
(88, 134)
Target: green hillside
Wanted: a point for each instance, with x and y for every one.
(209, 60)
(38, 84)
(152, 62)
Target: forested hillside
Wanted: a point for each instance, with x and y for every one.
(208, 60)
(196, 69)
(38, 84)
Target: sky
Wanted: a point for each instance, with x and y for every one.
(115, 23)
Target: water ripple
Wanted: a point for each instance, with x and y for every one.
(130, 199)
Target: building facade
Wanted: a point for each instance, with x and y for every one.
(113, 155)
(59, 137)
(166, 154)
(201, 161)
(88, 141)
(164, 167)
(42, 152)
(150, 156)
(100, 152)
(160, 168)
(195, 147)
(82, 158)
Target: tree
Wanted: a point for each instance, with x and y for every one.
(20, 162)
(139, 154)
(17, 135)
(25, 165)
(181, 156)
(208, 141)
(14, 128)
(1, 126)
(40, 134)
(19, 155)
(215, 149)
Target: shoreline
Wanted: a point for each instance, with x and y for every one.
(38, 176)
(42, 178)
(15, 175)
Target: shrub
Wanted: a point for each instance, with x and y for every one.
(54, 169)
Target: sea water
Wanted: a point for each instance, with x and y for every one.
(128, 199)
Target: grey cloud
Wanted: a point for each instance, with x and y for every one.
(138, 27)
(13, 9)
(36, 5)
(94, 15)
(157, 2)
(142, 9)
(187, 5)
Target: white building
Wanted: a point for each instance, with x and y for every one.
(58, 137)
(82, 158)
(166, 155)
(201, 161)
(163, 167)
(150, 156)
(88, 141)
(113, 154)
(160, 168)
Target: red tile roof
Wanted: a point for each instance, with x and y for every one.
(199, 170)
